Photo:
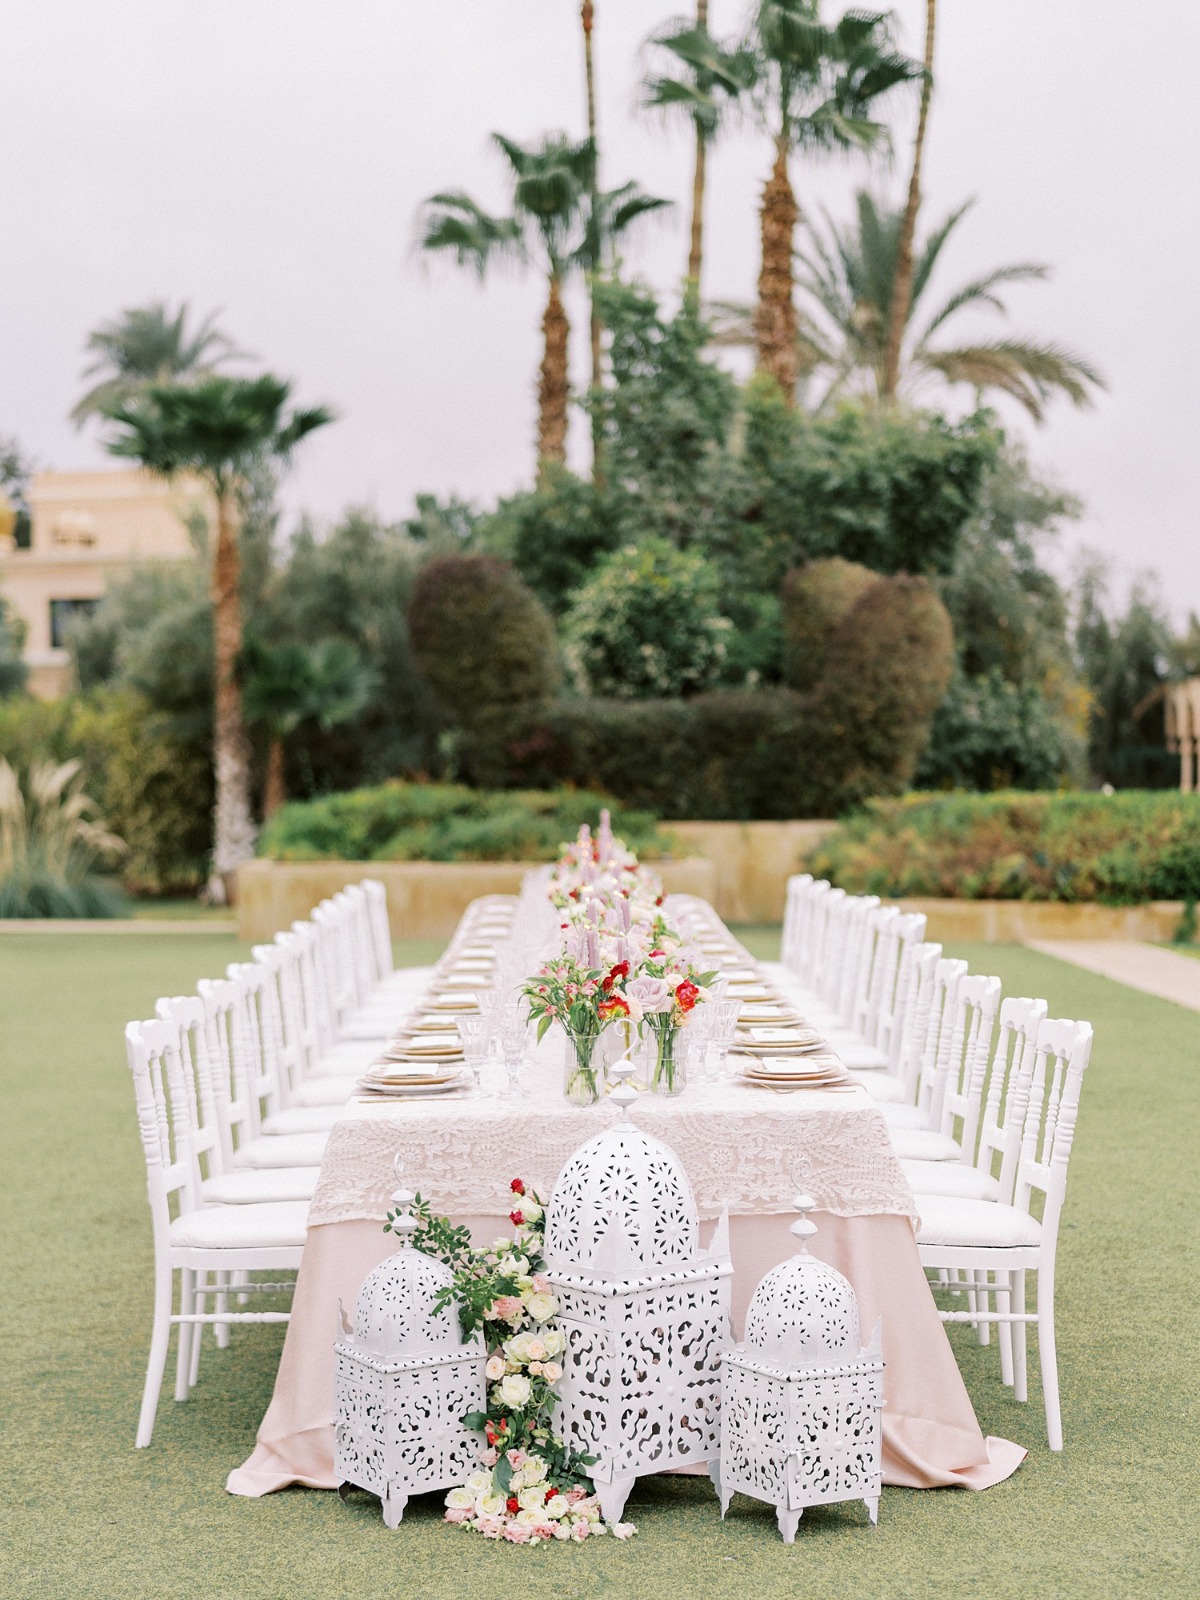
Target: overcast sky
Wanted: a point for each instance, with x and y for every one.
(267, 157)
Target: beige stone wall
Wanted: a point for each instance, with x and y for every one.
(753, 861)
(87, 528)
(1014, 921)
(425, 898)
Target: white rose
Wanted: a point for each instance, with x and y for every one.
(562, 1530)
(554, 1340)
(518, 1266)
(531, 1499)
(558, 1506)
(494, 1368)
(490, 1505)
(537, 1350)
(551, 1371)
(535, 1470)
(530, 1210)
(478, 1483)
(515, 1391)
(460, 1500)
(541, 1307)
(517, 1348)
(529, 1517)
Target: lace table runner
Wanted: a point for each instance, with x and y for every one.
(739, 1145)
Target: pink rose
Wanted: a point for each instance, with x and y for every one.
(516, 1459)
(517, 1533)
(577, 1493)
(490, 1527)
(651, 994)
(507, 1308)
(580, 1531)
(458, 1514)
(489, 1457)
(542, 1283)
(544, 1530)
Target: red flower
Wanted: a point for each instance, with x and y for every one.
(615, 1006)
(513, 1505)
(685, 995)
(621, 970)
(517, 1186)
(550, 1493)
(516, 1218)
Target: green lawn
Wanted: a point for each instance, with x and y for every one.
(83, 1514)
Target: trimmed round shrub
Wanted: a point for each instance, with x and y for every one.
(483, 639)
(814, 599)
(647, 624)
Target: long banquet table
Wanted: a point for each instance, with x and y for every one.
(740, 1145)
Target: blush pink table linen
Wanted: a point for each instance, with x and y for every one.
(931, 1438)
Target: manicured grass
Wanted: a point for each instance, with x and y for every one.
(85, 1515)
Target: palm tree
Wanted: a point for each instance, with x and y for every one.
(713, 79)
(902, 287)
(219, 428)
(328, 683)
(587, 19)
(851, 277)
(817, 85)
(551, 218)
(145, 345)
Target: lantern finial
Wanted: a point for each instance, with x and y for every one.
(405, 1224)
(624, 1094)
(803, 1228)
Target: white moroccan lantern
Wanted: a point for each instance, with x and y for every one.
(800, 1415)
(645, 1311)
(405, 1377)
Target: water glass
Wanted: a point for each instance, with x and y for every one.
(472, 1030)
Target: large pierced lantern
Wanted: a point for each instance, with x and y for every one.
(404, 1379)
(645, 1311)
(800, 1419)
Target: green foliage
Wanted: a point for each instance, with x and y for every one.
(12, 643)
(483, 639)
(1126, 659)
(145, 345)
(1121, 849)
(154, 785)
(1185, 930)
(328, 682)
(814, 599)
(52, 839)
(554, 535)
(990, 733)
(647, 624)
(443, 822)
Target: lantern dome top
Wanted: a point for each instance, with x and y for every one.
(394, 1315)
(623, 1176)
(804, 1313)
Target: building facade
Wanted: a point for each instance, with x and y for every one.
(85, 529)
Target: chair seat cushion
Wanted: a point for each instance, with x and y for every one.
(329, 1091)
(923, 1144)
(949, 1178)
(343, 1059)
(881, 1086)
(860, 1057)
(272, 1227)
(947, 1220)
(292, 1150)
(256, 1185)
(302, 1119)
(905, 1116)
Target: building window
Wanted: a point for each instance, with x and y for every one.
(62, 614)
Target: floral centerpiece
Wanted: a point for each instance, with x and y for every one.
(666, 990)
(583, 992)
(529, 1486)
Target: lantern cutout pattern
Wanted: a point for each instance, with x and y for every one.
(645, 1311)
(404, 1379)
(800, 1418)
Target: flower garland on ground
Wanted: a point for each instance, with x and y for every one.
(530, 1487)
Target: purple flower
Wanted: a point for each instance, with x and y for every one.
(652, 994)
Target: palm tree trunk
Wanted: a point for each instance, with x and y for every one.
(901, 304)
(552, 381)
(775, 314)
(233, 824)
(587, 16)
(696, 245)
(275, 787)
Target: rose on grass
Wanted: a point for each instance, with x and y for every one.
(461, 1500)
(651, 994)
(515, 1390)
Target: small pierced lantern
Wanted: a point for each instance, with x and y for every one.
(404, 1379)
(802, 1402)
(645, 1311)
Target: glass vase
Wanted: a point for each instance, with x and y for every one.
(668, 1073)
(583, 1068)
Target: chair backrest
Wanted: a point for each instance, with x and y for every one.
(880, 972)
(211, 1137)
(976, 1001)
(381, 928)
(1063, 1051)
(1003, 1121)
(797, 904)
(259, 1017)
(914, 1020)
(235, 1078)
(892, 1000)
(939, 1035)
(152, 1049)
(312, 970)
(827, 931)
(300, 1044)
(858, 942)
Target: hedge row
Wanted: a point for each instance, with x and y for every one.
(1120, 849)
(443, 822)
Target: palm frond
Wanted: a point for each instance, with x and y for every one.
(1028, 372)
(929, 252)
(453, 222)
(982, 291)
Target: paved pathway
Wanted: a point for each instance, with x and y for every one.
(1160, 972)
